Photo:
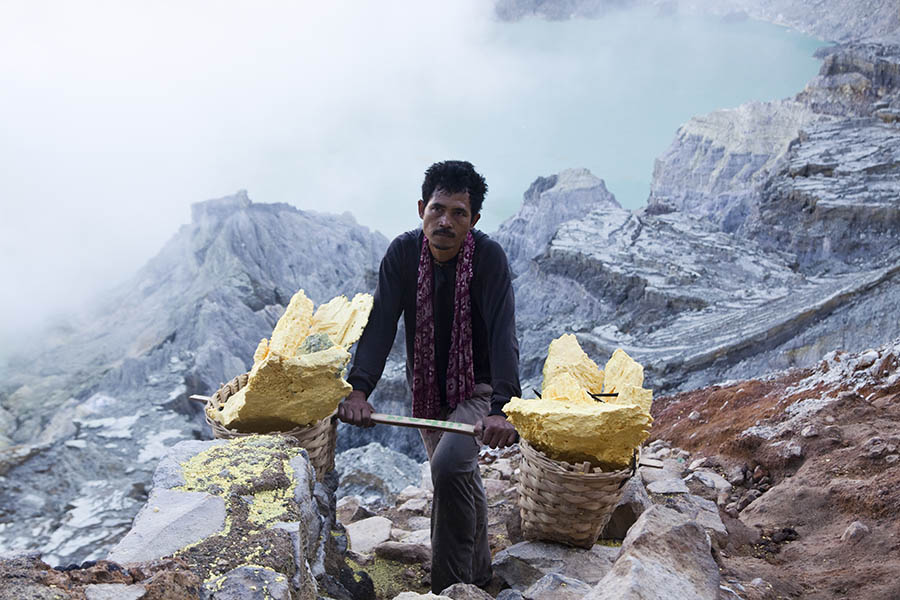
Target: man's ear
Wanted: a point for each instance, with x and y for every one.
(421, 209)
(475, 220)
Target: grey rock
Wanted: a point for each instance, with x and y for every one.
(554, 586)
(170, 521)
(250, 583)
(351, 508)
(650, 567)
(633, 502)
(114, 591)
(855, 532)
(365, 535)
(668, 486)
(711, 480)
(375, 473)
(466, 591)
(524, 563)
(405, 552)
(549, 202)
(509, 594)
(705, 512)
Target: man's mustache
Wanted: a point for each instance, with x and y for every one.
(444, 232)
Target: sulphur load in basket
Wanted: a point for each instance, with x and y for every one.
(298, 374)
(567, 423)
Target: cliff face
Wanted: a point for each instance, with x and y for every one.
(770, 237)
(94, 410)
(819, 180)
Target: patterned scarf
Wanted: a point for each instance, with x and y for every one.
(460, 369)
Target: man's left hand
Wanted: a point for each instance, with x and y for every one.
(496, 432)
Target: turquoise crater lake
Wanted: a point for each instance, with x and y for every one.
(605, 94)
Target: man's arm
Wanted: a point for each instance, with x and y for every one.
(377, 338)
(498, 307)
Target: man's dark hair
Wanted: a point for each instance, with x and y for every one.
(452, 177)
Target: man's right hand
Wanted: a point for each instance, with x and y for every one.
(356, 410)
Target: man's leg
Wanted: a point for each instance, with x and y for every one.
(459, 543)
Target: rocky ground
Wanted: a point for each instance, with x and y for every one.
(779, 488)
(794, 477)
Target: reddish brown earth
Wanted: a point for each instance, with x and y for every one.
(848, 470)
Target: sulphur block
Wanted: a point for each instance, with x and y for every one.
(293, 326)
(603, 433)
(288, 391)
(262, 351)
(621, 371)
(343, 320)
(567, 390)
(566, 356)
(629, 394)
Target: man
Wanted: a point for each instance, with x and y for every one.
(452, 285)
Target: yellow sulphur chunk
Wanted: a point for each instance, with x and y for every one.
(566, 356)
(602, 433)
(262, 351)
(629, 394)
(342, 320)
(621, 371)
(566, 389)
(287, 391)
(293, 326)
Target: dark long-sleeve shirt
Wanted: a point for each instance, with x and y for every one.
(495, 350)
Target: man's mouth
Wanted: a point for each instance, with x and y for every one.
(444, 232)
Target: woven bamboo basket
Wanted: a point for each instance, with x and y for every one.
(319, 438)
(566, 503)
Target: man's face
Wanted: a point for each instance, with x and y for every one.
(446, 220)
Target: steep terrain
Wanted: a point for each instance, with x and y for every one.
(92, 409)
(813, 456)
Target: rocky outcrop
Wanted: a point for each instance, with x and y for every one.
(96, 407)
(549, 202)
(224, 520)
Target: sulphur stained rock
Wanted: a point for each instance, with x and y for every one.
(287, 391)
(567, 424)
(566, 356)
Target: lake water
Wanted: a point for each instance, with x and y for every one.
(606, 94)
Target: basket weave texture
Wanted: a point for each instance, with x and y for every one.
(565, 503)
(318, 438)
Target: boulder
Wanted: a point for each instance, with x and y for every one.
(466, 591)
(366, 534)
(554, 586)
(249, 583)
(170, 521)
(633, 502)
(524, 563)
(665, 555)
(375, 473)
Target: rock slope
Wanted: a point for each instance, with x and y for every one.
(95, 407)
(770, 238)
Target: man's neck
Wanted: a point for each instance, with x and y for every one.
(443, 255)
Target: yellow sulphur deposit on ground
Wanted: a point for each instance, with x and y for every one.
(566, 423)
(297, 376)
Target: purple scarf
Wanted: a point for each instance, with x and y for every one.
(460, 369)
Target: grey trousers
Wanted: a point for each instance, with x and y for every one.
(460, 552)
